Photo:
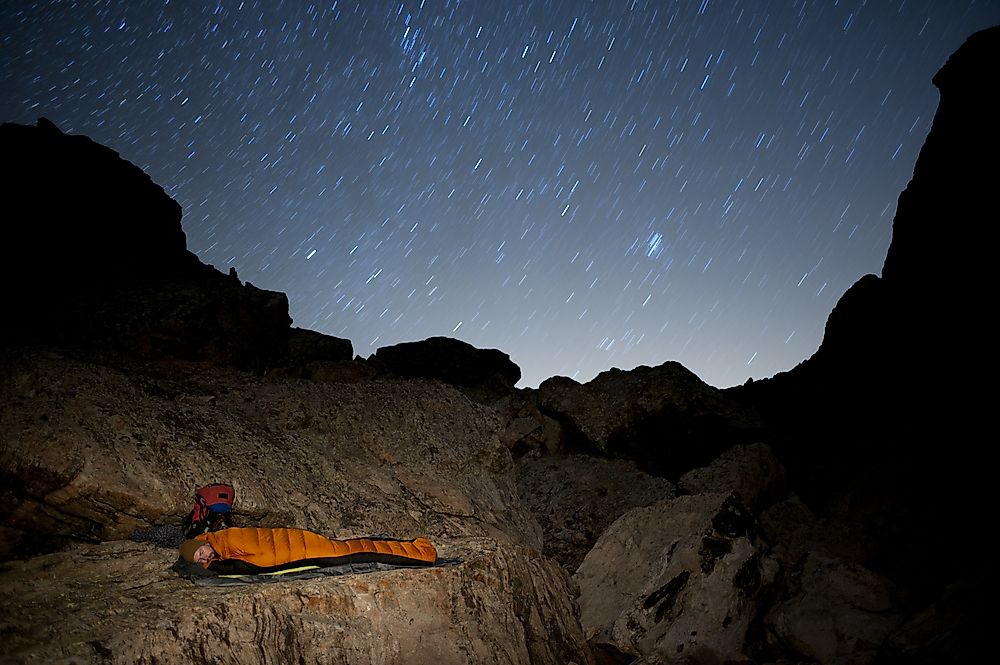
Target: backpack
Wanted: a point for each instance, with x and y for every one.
(213, 506)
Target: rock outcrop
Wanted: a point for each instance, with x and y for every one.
(664, 418)
(309, 346)
(485, 375)
(78, 212)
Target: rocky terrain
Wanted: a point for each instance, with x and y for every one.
(821, 516)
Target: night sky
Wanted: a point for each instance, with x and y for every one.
(583, 185)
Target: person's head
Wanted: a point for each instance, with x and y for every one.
(198, 551)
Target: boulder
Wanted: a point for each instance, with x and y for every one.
(793, 530)
(308, 346)
(483, 374)
(956, 628)
(118, 602)
(752, 473)
(528, 430)
(676, 580)
(665, 418)
(833, 611)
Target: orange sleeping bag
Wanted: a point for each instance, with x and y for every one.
(266, 548)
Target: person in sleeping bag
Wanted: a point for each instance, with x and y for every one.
(254, 550)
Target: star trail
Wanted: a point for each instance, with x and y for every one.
(583, 185)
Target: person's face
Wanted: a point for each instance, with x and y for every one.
(204, 554)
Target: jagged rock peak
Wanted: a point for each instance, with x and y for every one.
(76, 209)
(97, 260)
(936, 232)
(665, 417)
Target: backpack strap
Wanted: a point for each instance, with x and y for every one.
(200, 508)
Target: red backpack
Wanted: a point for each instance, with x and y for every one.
(213, 506)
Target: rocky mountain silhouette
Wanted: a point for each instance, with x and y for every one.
(888, 415)
(830, 514)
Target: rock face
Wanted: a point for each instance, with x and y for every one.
(94, 452)
(665, 418)
(947, 184)
(931, 285)
(931, 281)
